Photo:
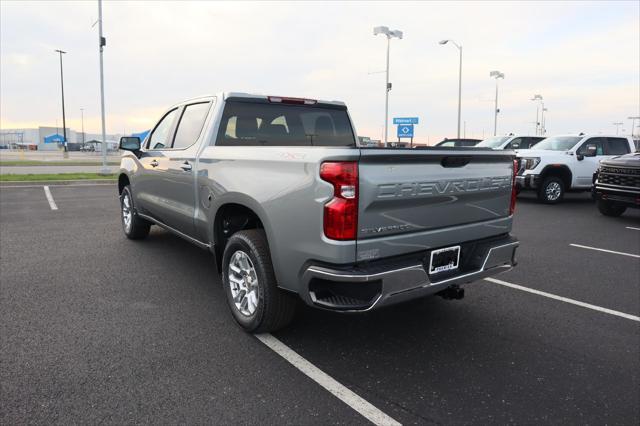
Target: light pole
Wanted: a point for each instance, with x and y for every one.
(101, 43)
(389, 34)
(537, 98)
(544, 121)
(64, 122)
(459, 46)
(633, 122)
(82, 118)
(497, 75)
(618, 124)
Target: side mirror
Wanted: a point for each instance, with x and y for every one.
(130, 143)
(591, 150)
(515, 145)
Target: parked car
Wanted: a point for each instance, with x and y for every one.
(277, 189)
(617, 184)
(458, 142)
(563, 163)
(510, 142)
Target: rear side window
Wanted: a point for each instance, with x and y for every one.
(617, 146)
(268, 124)
(532, 141)
(190, 125)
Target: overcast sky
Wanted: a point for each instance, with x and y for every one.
(582, 57)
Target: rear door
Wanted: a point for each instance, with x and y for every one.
(411, 201)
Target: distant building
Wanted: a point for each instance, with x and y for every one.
(51, 139)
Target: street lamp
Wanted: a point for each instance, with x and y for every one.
(443, 42)
(497, 75)
(82, 118)
(389, 34)
(633, 122)
(544, 121)
(64, 122)
(537, 98)
(102, 42)
(617, 124)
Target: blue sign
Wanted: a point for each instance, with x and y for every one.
(405, 130)
(405, 120)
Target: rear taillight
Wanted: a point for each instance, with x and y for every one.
(341, 213)
(512, 205)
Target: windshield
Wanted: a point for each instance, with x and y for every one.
(494, 142)
(557, 143)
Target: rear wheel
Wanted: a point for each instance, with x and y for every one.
(134, 227)
(256, 302)
(551, 191)
(609, 208)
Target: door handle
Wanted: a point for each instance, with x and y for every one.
(154, 163)
(186, 166)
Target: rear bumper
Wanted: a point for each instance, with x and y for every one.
(386, 282)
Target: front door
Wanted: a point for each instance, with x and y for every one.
(585, 168)
(153, 161)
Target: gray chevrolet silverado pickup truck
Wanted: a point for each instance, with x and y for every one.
(291, 208)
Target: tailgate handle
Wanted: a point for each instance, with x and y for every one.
(455, 161)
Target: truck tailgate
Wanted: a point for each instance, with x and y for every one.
(416, 200)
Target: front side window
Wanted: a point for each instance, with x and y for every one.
(558, 143)
(617, 146)
(494, 142)
(598, 142)
(159, 139)
(516, 143)
(275, 124)
(190, 125)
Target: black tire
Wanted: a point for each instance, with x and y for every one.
(138, 227)
(608, 208)
(551, 191)
(275, 307)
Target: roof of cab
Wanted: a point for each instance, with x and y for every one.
(227, 95)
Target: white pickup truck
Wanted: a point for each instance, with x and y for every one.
(562, 163)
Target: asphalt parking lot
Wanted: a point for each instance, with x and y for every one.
(95, 328)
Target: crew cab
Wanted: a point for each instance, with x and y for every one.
(510, 142)
(292, 209)
(566, 163)
(617, 184)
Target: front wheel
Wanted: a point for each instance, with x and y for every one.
(551, 191)
(134, 227)
(608, 208)
(256, 302)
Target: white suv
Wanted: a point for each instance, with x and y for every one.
(510, 142)
(562, 163)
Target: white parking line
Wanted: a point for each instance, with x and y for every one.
(341, 392)
(637, 256)
(631, 227)
(565, 299)
(52, 203)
